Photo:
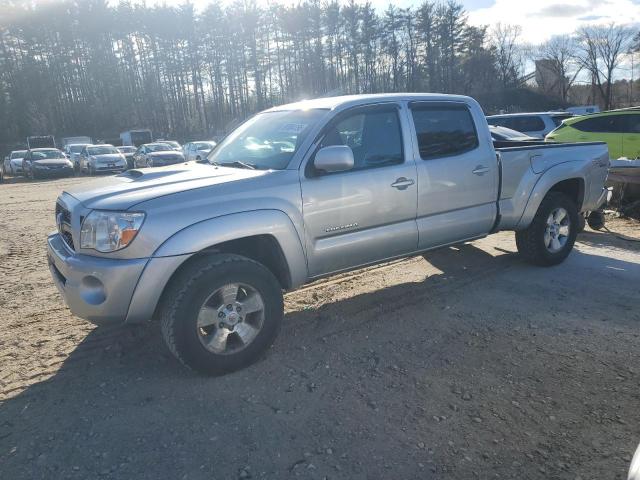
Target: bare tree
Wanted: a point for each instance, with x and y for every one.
(508, 56)
(558, 57)
(601, 49)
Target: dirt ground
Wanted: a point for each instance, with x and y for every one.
(470, 365)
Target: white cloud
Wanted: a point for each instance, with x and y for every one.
(542, 19)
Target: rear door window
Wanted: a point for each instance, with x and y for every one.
(602, 124)
(444, 130)
(527, 123)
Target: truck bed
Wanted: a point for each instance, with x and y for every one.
(525, 164)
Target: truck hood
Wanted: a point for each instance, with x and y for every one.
(51, 161)
(165, 153)
(126, 190)
(108, 158)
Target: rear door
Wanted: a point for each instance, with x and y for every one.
(631, 136)
(603, 128)
(366, 214)
(457, 174)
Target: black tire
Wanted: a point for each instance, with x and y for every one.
(596, 220)
(189, 290)
(530, 242)
(92, 171)
(581, 223)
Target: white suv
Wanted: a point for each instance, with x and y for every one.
(536, 125)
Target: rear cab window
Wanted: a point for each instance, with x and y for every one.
(444, 130)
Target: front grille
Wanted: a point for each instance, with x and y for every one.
(68, 239)
(63, 221)
(66, 214)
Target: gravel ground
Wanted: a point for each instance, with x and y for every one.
(469, 365)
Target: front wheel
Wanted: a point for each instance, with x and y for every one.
(221, 313)
(550, 237)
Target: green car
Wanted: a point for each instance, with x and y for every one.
(620, 129)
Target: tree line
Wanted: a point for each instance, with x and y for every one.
(91, 67)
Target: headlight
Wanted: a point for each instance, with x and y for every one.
(110, 231)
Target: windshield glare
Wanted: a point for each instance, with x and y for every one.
(44, 154)
(159, 148)
(106, 150)
(268, 140)
(18, 154)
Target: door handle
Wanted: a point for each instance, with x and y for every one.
(402, 183)
(481, 170)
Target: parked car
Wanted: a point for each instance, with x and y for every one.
(535, 125)
(620, 129)
(303, 191)
(172, 143)
(73, 151)
(128, 152)
(102, 159)
(81, 140)
(136, 137)
(46, 162)
(197, 150)
(156, 155)
(504, 134)
(583, 110)
(41, 141)
(13, 162)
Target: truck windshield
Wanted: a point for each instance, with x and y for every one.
(267, 141)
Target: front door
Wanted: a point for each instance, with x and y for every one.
(366, 214)
(457, 174)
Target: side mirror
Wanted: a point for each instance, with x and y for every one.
(337, 158)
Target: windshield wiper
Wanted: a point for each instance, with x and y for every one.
(237, 163)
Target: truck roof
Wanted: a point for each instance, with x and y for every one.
(331, 103)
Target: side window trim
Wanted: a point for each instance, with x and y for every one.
(423, 105)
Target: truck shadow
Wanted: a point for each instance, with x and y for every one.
(121, 407)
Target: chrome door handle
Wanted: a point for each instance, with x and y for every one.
(402, 183)
(481, 170)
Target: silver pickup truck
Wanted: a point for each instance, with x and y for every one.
(303, 191)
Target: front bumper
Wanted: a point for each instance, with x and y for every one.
(110, 169)
(53, 172)
(96, 289)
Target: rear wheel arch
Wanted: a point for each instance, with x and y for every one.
(571, 184)
(572, 187)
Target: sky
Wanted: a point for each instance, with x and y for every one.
(539, 19)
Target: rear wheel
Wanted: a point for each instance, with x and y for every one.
(221, 313)
(552, 233)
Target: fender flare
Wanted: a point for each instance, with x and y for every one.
(550, 178)
(207, 233)
(182, 245)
